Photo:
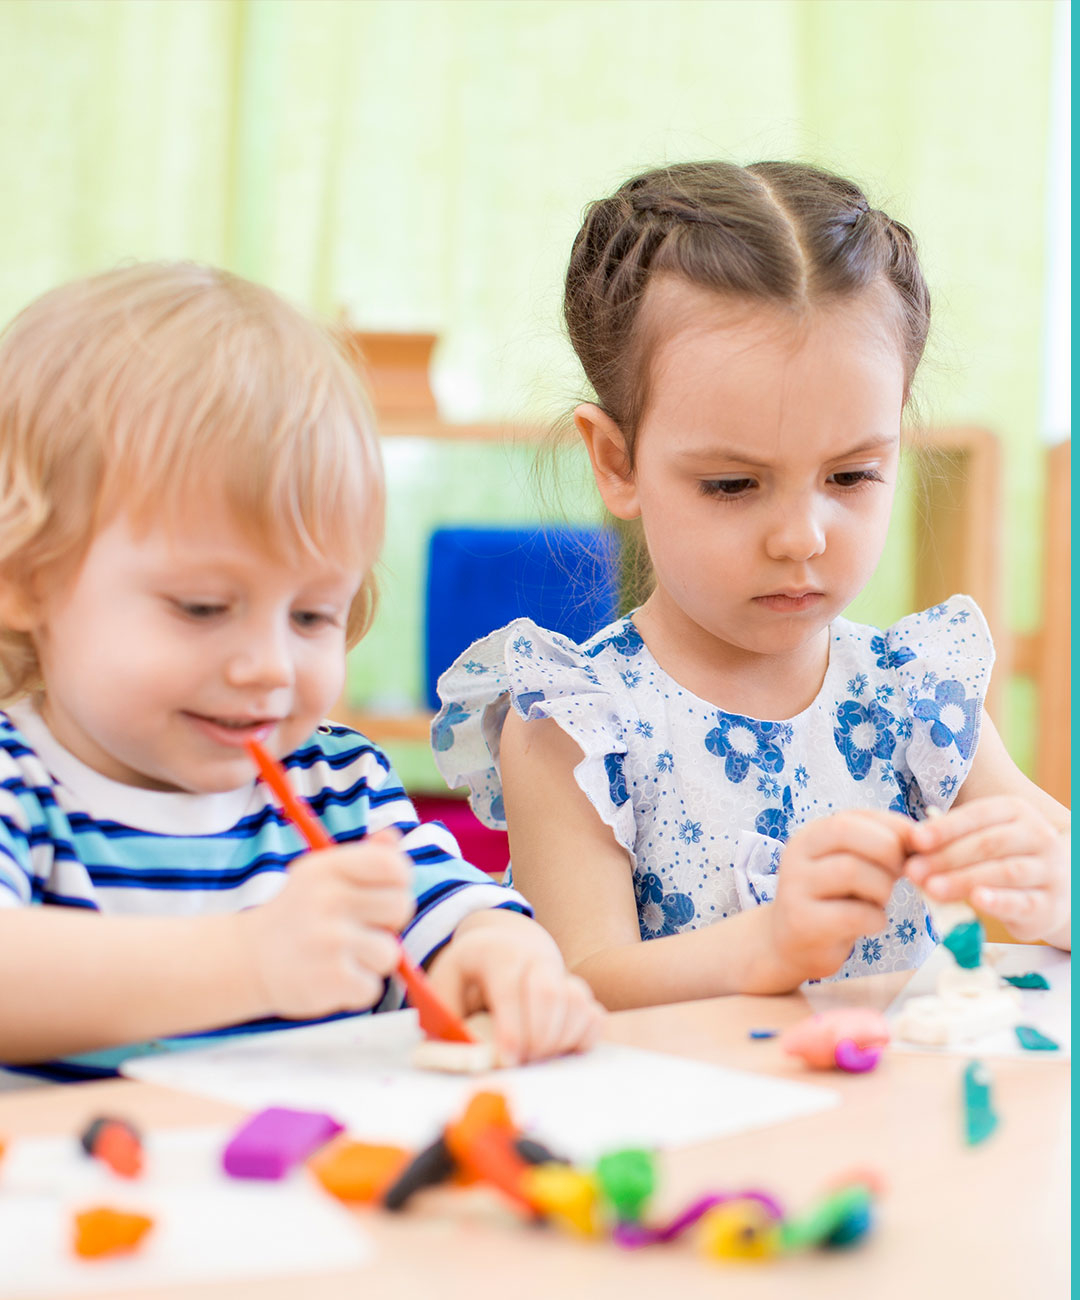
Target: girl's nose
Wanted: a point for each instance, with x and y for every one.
(796, 532)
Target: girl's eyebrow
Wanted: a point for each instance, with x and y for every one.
(717, 452)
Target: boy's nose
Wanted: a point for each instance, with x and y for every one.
(796, 532)
(262, 660)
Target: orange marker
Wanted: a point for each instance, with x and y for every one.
(436, 1019)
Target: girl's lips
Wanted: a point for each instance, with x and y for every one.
(234, 733)
(790, 604)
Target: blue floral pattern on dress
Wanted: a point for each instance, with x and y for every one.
(626, 641)
(442, 736)
(742, 741)
(954, 715)
(862, 733)
(775, 822)
(613, 763)
(661, 913)
(886, 656)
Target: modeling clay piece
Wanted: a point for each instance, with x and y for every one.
(474, 1057)
(432, 1166)
(848, 1038)
(482, 1145)
(568, 1196)
(357, 1171)
(739, 1230)
(968, 981)
(102, 1231)
(841, 1219)
(965, 942)
(627, 1179)
(116, 1143)
(980, 1119)
(763, 1033)
(536, 1153)
(1032, 980)
(1033, 1041)
(633, 1235)
(270, 1143)
(941, 1021)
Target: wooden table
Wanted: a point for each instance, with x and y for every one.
(986, 1222)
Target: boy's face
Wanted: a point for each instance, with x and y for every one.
(169, 649)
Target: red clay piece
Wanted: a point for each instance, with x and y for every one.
(115, 1143)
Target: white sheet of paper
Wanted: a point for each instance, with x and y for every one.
(208, 1226)
(358, 1070)
(1047, 1010)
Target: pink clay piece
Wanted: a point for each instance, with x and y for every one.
(861, 1031)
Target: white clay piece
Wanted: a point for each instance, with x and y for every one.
(461, 1058)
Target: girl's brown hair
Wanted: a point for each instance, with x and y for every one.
(132, 390)
(777, 233)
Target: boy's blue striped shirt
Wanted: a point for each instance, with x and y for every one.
(62, 842)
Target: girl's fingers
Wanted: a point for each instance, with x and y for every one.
(1011, 873)
(1004, 904)
(935, 833)
(878, 837)
(844, 875)
(991, 843)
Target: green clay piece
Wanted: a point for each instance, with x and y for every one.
(965, 942)
(980, 1119)
(627, 1179)
(827, 1222)
(1034, 1041)
(1032, 980)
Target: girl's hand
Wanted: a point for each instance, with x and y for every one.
(329, 939)
(1002, 855)
(832, 888)
(504, 963)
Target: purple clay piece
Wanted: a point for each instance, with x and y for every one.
(855, 1059)
(704, 1204)
(270, 1143)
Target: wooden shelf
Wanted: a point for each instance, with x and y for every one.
(383, 727)
(431, 427)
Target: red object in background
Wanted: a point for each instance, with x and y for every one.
(484, 848)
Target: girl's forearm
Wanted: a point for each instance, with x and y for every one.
(75, 981)
(735, 955)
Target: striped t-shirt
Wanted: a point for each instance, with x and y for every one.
(70, 837)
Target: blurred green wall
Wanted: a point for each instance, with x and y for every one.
(423, 164)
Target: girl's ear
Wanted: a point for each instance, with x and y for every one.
(610, 460)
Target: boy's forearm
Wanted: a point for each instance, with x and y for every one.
(735, 955)
(77, 982)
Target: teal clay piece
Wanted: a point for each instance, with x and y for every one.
(627, 1178)
(965, 942)
(1031, 1039)
(1032, 980)
(980, 1119)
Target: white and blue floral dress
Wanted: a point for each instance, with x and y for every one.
(704, 800)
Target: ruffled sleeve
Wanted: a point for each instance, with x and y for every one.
(541, 675)
(942, 658)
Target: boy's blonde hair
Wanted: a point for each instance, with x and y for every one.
(125, 392)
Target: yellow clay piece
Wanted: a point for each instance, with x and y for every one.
(564, 1194)
(739, 1230)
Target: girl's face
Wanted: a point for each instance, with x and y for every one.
(765, 467)
(171, 648)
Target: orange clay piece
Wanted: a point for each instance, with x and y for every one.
(815, 1039)
(120, 1149)
(357, 1171)
(102, 1231)
(481, 1142)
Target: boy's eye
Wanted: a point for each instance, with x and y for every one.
(726, 487)
(309, 619)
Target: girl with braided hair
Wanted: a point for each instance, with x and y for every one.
(727, 790)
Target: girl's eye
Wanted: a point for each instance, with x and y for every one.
(854, 478)
(726, 487)
(199, 610)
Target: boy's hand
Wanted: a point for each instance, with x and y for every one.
(328, 940)
(502, 962)
(833, 886)
(1003, 856)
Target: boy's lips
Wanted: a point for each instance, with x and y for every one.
(233, 731)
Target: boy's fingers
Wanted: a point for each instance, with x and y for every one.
(503, 998)
(543, 1012)
(388, 908)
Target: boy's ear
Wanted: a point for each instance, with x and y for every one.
(610, 461)
(18, 608)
